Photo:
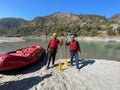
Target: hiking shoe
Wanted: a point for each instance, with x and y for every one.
(47, 68)
(52, 65)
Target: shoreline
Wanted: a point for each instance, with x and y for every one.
(106, 39)
(19, 39)
(11, 39)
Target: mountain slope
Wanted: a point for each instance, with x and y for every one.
(57, 22)
(8, 23)
(115, 18)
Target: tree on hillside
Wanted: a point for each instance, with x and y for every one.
(110, 31)
(118, 30)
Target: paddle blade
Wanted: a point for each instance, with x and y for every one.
(66, 62)
(60, 66)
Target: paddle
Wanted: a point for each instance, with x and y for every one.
(61, 44)
(66, 55)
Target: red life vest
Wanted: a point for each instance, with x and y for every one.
(73, 46)
(54, 43)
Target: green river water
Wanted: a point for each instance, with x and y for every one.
(90, 49)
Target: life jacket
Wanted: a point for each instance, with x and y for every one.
(73, 46)
(54, 43)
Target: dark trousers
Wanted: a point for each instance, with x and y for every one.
(72, 55)
(51, 55)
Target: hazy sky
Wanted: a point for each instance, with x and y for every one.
(28, 9)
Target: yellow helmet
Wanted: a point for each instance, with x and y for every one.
(54, 34)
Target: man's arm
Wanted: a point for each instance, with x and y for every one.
(79, 49)
(48, 46)
(67, 43)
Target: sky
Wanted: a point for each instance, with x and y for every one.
(29, 9)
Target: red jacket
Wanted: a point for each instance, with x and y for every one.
(74, 45)
(53, 43)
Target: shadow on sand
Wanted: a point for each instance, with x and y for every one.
(28, 69)
(23, 84)
(84, 63)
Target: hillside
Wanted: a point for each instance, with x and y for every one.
(115, 18)
(7, 24)
(62, 23)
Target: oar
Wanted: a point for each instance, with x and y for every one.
(61, 43)
(66, 56)
(60, 64)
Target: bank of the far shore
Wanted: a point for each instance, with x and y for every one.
(11, 39)
(19, 39)
(106, 39)
(116, 39)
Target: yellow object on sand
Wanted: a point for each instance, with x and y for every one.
(60, 66)
(66, 62)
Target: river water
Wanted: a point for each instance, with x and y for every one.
(90, 49)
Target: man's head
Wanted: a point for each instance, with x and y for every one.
(54, 35)
(72, 36)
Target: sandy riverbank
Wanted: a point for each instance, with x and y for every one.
(106, 39)
(99, 39)
(19, 39)
(11, 39)
(94, 75)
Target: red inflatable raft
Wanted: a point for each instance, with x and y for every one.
(21, 57)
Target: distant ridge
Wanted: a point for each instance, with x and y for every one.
(63, 23)
(115, 18)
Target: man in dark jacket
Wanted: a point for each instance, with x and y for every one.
(74, 49)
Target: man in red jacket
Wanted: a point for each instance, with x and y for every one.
(52, 49)
(74, 49)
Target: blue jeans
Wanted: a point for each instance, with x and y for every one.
(72, 55)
